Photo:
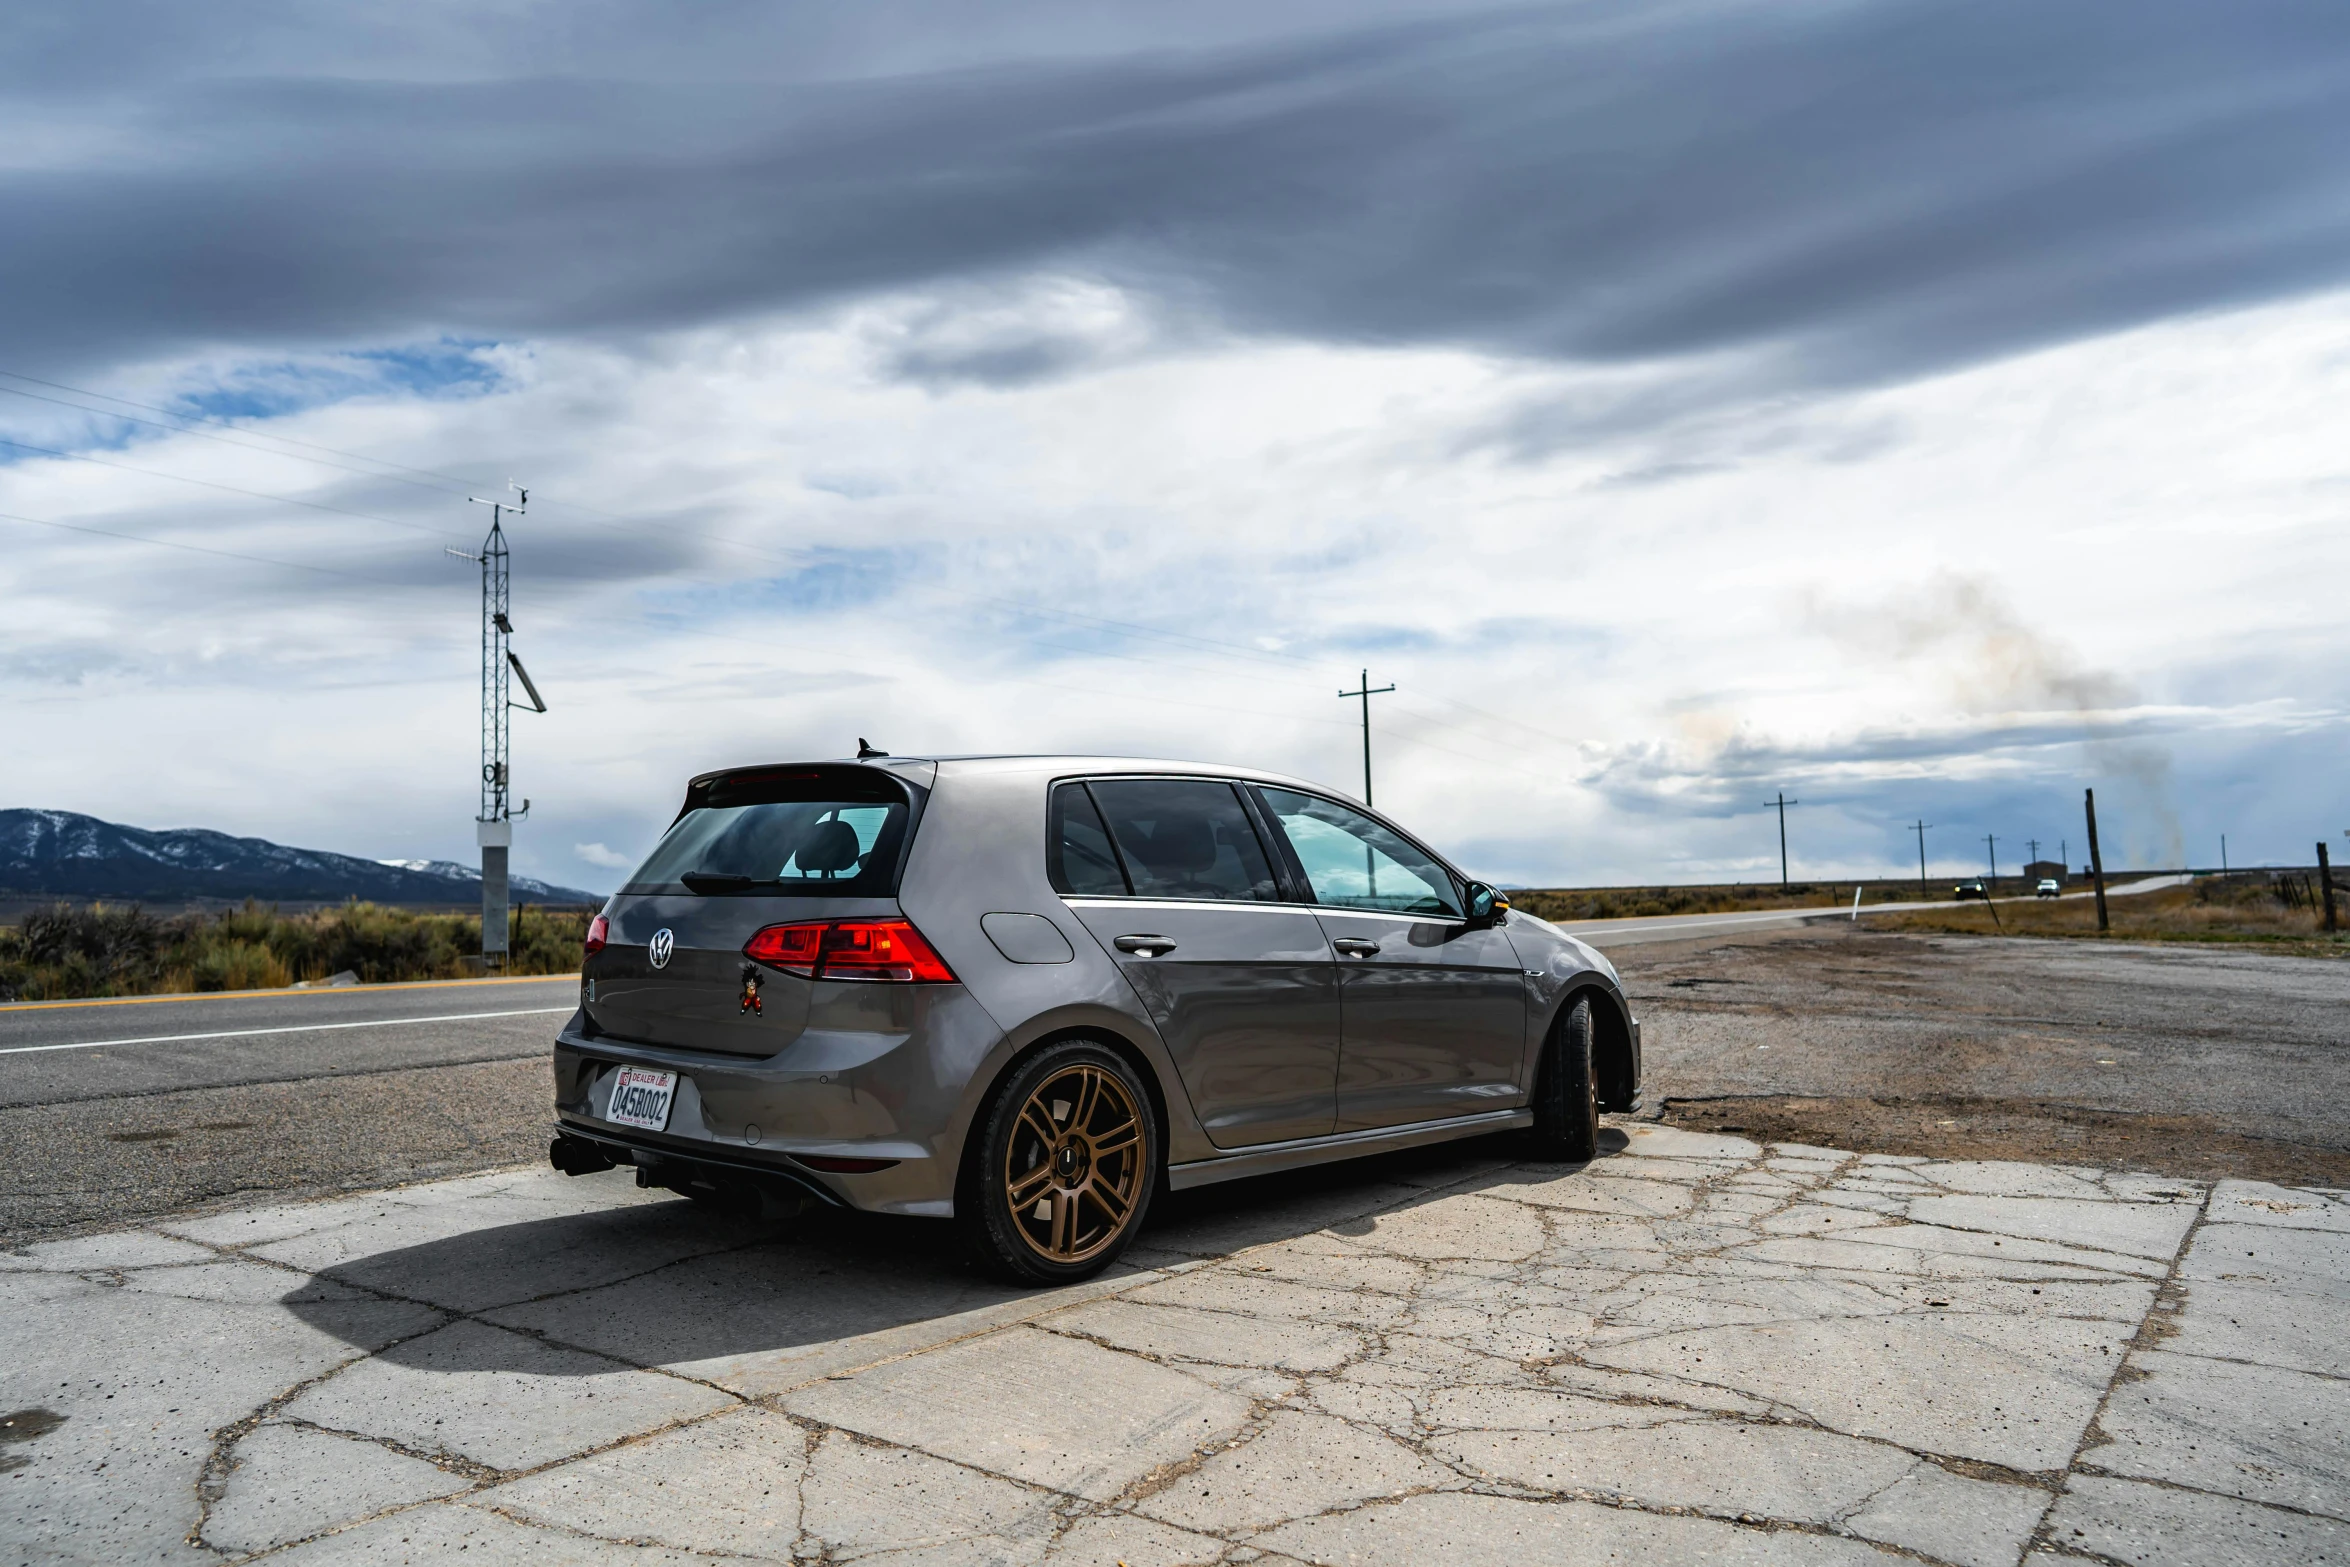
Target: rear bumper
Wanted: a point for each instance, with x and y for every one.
(861, 1096)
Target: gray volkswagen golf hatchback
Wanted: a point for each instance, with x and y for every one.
(1027, 993)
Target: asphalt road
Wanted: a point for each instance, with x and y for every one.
(116, 1110)
(68, 1051)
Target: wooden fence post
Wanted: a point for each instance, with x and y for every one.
(2325, 882)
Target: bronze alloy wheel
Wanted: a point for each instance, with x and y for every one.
(1075, 1164)
(1061, 1165)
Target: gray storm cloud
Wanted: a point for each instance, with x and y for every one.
(1866, 191)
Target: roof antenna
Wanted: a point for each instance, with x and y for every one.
(865, 751)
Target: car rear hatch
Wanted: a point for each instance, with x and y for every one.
(817, 849)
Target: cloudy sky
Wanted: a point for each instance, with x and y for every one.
(1925, 410)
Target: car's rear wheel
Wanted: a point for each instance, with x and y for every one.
(1065, 1158)
(1566, 1090)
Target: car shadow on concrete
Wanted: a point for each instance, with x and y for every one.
(664, 1283)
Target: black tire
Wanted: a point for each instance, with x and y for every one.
(1566, 1091)
(1035, 1208)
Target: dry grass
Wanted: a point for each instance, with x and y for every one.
(65, 953)
(2224, 909)
(1614, 903)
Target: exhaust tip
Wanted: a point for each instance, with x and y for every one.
(577, 1156)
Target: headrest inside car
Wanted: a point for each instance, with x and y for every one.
(830, 846)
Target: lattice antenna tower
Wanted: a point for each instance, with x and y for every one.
(494, 825)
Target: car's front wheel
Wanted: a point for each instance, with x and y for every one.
(1566, 1090)
(1065, 1158)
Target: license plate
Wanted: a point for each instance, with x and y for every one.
(642, 1098)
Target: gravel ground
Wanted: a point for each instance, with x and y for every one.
(2196, 1062)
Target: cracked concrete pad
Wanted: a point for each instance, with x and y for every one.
(1219, 1224)
(768, 1317)
(864, 1499)
(2135, 1229)
(499, 1399)
(547, 1191)
(727, 1484)
(2011, 1391)
(1297, 1465)
(1493, 1531)
(1671, 1142)
(2234, 1321)
(143, 1382)
(501, 1248)
(1218, 1338)
(1479, 1229)
(442, 1532)
(2279, 1207)
(2258, 1432)
(104, 1253)
(1116, 1539)
(1593, 1193)
(1496, 1410)
(1254, 1290)
(291, 1482)
(1973, 1523)
(1714, 1466)
(1034, 1406)
(2160, 1525)
(2306, 1261)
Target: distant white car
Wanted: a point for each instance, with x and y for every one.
(2046, 889)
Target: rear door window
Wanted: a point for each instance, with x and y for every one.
(1186, 838)
(1084, 862)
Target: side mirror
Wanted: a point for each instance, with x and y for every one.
(1486, 904)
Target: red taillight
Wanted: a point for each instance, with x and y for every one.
(792, 948)
(891, 951)
(599, 932)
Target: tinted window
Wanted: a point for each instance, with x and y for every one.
(826, 844)
(1354, 862)
(1083, 863)
(1185, 838)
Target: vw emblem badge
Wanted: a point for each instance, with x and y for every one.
(664, 942)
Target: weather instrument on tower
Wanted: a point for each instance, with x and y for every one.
(494, 827)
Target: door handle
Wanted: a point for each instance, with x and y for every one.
(1356, 947)
(1147, 946)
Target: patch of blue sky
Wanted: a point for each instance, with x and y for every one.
(450, 367)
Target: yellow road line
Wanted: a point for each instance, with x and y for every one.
(247, 995)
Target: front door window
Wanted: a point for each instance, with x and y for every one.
(1354, 862)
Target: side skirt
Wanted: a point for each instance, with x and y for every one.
(1274, 1157)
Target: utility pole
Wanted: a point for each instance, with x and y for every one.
(494, 827)
(2033, 845)
(1782, 802)
(2096, 859)
(1919, 827)
(1366, 693)
(2325, 880)
(2223, 854)
(1992, 844)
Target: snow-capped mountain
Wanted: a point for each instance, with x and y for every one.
(63, 854)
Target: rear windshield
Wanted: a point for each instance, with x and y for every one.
(808, 836)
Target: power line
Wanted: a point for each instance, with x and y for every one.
(209, 484)
(169, 544)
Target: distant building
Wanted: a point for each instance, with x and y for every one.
(2045, 870)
